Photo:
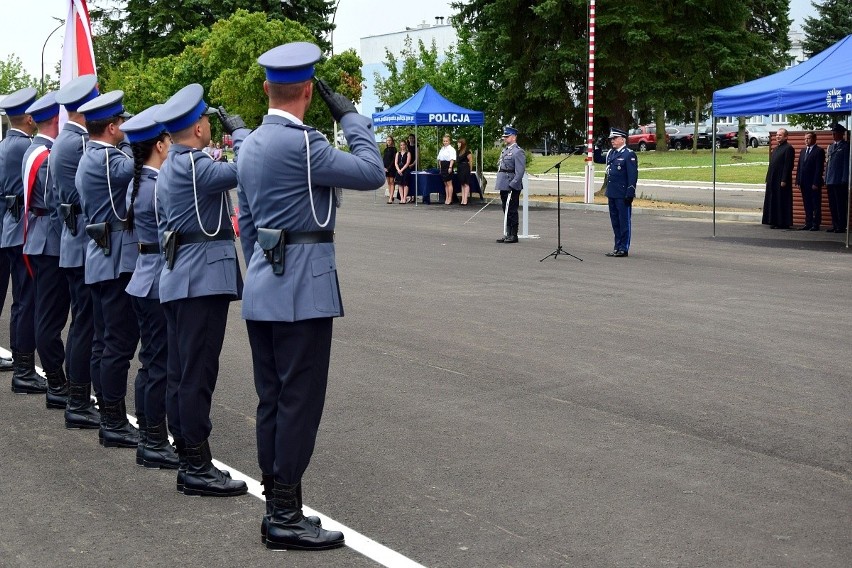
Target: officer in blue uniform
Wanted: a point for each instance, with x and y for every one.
(150, 143)
(288, 174)
(82, 366)
(200, 278)
(42, 228)
(622, 169)
(22, 327)
(102, 179)
(837, 179)
(510, 178)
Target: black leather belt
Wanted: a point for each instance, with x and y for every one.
(308, 237)
(118, 226)
(505, 171)
(149, 248)
(199, 237)
(39, 212)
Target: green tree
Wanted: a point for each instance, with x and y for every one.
(832, 22)
(13, 76)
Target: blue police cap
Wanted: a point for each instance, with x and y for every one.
(291, 62)
(107, 105)
(183, 109)
(78, 92)
(614, 132)
(142, 126)
(17, 103)
(45, 108)
(509, 131)
(837, 127)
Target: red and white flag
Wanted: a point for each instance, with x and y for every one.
(78, 54)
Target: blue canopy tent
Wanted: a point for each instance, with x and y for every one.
(427, 107)
(822, 84)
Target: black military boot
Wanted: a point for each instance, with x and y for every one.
(80, 411)
(157, 452)
(180, 448)
(288, 527)
(141, 425)
(268, 482)
(57, 389)
(203, 478)
(116, 431)
(513, 235)
(25, 380)
(7, 364)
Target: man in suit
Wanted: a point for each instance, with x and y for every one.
(837, 179)
(288, 174)
(809, 180)
(25, 380)
(199, 280)
(622, 169)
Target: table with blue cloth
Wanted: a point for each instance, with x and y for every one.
(426, 182)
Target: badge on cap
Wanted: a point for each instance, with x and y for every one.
(509, 131)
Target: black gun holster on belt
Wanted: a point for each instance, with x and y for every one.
(170, 242)
(273, 243)
(100, 233)
(69, 211)
(13, 204)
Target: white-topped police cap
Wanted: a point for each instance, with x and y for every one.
(142, 126)
(616, 132)
(107, 105)
(509, 131)
(183, 109)
(291, 62)
(45, 108)
(17, 103)
(77, 92)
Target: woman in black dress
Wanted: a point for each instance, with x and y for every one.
(463, 169)
(390, 170)
(402, 166)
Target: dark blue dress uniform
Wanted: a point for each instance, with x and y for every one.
(82, 366)
(102, 178)
(837, 179)
(22, 326)
(622, 168)
(288, 174)
(41, 245)
(199, 280)
(154, 450)
(510, 177)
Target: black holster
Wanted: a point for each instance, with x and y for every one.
(66, 210)
(273, 243)
(13, 204)
(170, 241)
(100, 233)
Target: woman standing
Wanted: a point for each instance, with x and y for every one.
(463, 168)
(447, 159)
(388, 159)
(403, 165)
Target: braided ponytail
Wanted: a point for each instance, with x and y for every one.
(141, 153)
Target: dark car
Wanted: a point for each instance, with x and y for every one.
(680, 137)
(726, 136)
(551, 147)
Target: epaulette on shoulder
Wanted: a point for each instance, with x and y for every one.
(300, 126)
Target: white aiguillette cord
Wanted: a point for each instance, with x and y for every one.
(311, 189)
(109, 184)
(195, 195)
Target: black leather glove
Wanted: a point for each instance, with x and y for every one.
(629, 201)
(600, 141)
(230, 122)
(337, 103)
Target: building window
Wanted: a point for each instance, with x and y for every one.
(779, 119)
(727, 120)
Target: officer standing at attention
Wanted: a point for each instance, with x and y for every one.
(837, 179)
(42, 228)
(288, 173)
(102, 179)
(510, 177)
(83, 367)
(200, 278)
(22, 321)
(622, 169)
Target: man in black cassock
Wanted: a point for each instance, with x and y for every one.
(778, 203)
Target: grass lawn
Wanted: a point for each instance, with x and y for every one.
(680, 165)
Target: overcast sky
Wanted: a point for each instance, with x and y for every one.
(26, 24)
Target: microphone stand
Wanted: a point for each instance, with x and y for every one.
(559, 250)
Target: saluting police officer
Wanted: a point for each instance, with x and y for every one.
(81, 363)
(199, 280)
(288, 174)
(102, 179)
(510, 182)
(22, 321)
(42, 228)
(622, 169)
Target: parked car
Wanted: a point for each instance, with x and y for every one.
(643, 138)
(551, 147)
(757, 135)
(726, 136)
(680, 137)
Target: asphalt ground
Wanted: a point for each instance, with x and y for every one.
(686, 406)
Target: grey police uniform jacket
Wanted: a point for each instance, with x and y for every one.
(98, 197)
(622, 169)
(511, 168)
(12, 150)
(274, 194)
(42, 230)
(207, 268)
(145, 282)
(837, 169)
(64, 159)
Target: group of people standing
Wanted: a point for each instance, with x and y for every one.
(118, 214)
(400, 162)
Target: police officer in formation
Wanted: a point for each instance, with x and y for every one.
(510, 178)
(288, 173)
(622, 169)
(22, 327)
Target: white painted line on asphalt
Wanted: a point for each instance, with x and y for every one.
(354, 540)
